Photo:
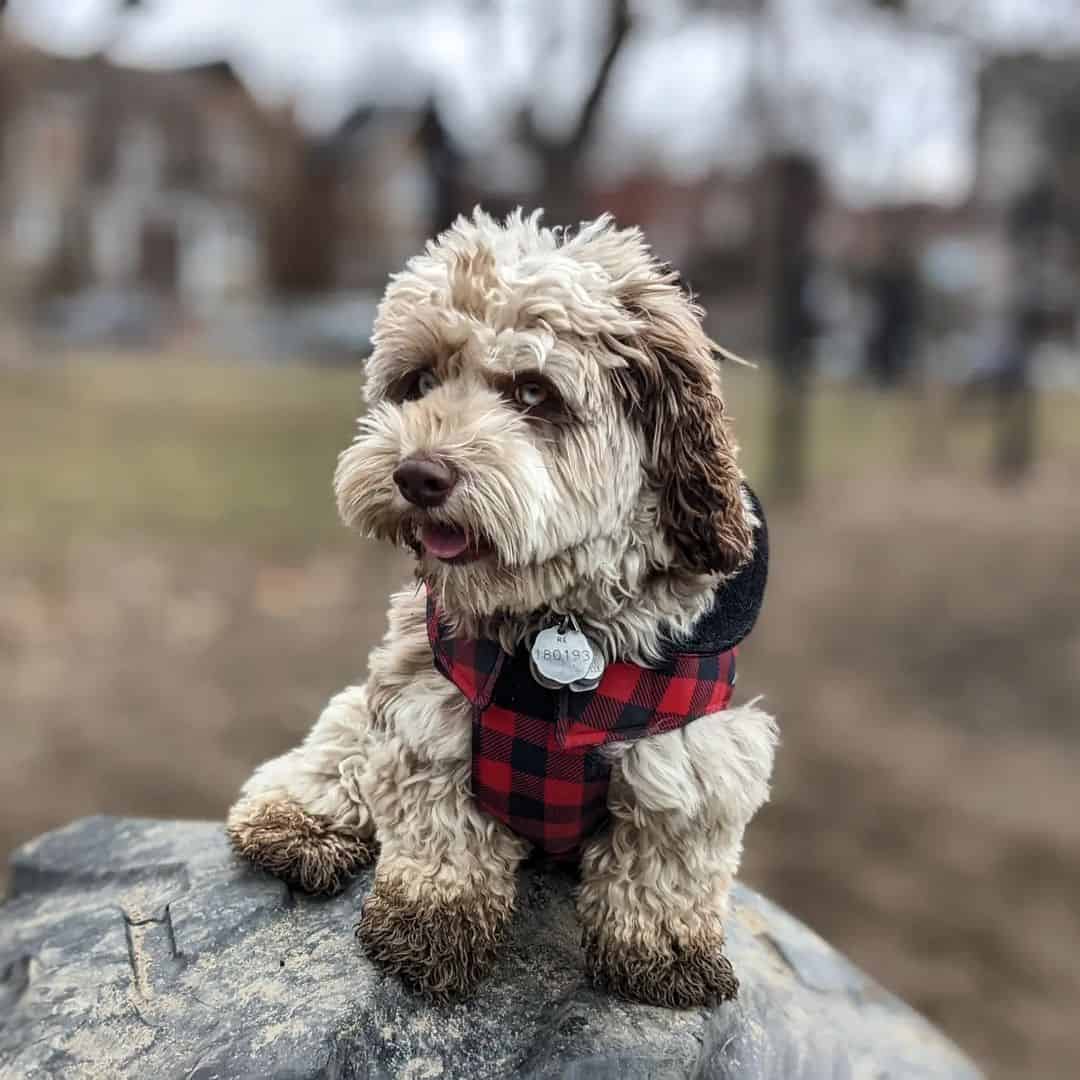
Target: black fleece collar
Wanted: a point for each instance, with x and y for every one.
(737, 601)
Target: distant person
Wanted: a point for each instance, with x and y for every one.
(894, 291)
(1033, 220)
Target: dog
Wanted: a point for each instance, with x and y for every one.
(545, 430)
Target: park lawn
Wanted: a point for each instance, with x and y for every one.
(171, 449)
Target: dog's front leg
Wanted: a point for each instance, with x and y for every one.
(444, 885)
(302, 816)
(655, 885)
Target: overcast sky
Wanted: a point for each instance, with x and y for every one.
(892, 112)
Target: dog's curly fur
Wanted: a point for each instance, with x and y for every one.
(615, 498)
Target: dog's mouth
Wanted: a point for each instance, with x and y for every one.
(451, 543)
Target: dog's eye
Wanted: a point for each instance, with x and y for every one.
(416, 386)
(531, 394)
(426, 381)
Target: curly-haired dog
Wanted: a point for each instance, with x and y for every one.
(545, 430)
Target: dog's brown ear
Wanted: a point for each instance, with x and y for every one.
(672, 384)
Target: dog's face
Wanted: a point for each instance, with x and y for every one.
(538, 406)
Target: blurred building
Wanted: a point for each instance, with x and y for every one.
(132, 197)
(1028, 186)
(1029, 169)
(116, 177)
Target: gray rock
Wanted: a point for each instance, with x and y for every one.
(143, 949)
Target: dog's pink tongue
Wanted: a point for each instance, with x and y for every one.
(444, 541)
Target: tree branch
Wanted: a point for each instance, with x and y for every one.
(571, 145)
(621, 23)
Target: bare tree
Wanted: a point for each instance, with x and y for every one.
(562, 159)
(791, 195)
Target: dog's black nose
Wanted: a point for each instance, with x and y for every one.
(425, 481)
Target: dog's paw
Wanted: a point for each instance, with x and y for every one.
(677, 969)
(438, 946)
(310, 852)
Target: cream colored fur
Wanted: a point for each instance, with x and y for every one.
(584, 513)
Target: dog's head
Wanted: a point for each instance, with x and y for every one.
(539, 405)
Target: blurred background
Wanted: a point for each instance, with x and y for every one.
(878, 201)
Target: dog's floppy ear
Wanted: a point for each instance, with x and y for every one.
(672, 383)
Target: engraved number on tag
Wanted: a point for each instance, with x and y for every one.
(562, 658)
(566, 658)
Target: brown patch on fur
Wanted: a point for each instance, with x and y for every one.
(677, 972)
(440, 949)
(673, 384)
(305, 850)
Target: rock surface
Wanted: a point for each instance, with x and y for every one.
(133, 948)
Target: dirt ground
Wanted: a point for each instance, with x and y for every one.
(920, 644)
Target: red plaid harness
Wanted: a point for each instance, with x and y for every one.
(535, 764)
(536, 760)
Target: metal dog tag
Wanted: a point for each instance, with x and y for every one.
(562, 656)
(592, 677)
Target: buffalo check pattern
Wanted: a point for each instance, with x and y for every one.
(536, 760)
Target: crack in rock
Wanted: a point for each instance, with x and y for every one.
(152, 950)
(14, 982)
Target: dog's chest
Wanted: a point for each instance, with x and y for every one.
(524, 773)
(537, 762)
